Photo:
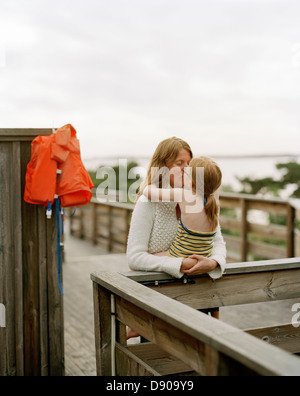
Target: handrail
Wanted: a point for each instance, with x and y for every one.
(231, 269)
(252, 197)
(186, 333)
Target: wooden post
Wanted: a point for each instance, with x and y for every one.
(244, 230)
(290, 231)
(11, 265)
(95, 220)
(127, 222)
(297, 243)
(55, 307)
(102, 318)
(33, 341)
(110, 236)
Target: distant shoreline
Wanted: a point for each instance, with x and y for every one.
(254, 166)
(218, 156)
(253, 156)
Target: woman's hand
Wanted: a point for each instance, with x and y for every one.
(198, 265)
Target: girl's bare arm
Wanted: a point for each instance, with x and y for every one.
(156, 194)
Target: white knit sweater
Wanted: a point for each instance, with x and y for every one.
(153, 229)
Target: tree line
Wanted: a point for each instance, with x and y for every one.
(290, 177)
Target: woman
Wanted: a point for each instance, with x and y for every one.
(154, 225)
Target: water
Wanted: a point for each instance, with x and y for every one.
(253, 167)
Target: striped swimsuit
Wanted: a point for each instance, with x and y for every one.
(188, 242)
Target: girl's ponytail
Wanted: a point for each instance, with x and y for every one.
(212, 182)
(212, 210)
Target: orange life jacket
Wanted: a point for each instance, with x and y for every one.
(59, 152)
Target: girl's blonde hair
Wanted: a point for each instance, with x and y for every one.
(212, 182)
(166, 153)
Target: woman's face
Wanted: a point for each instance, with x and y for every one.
(177, 168)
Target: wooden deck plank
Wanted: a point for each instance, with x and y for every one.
(79, 319)
(78, 305)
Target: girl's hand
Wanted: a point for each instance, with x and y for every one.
(187, 264)
(202, 265)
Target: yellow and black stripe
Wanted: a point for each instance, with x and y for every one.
(188, 242)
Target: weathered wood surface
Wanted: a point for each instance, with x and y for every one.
(11, 337)
(187, 334)
(32, 342)
(280, 281)
(297, 243)
(243, 283)
(22, 134)
(148, 360)
(82, 258)
(285, 336)
(78, 304)
(79, 313)
(235, 290)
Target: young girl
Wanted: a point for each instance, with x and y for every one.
(199, 206)
(199, 219)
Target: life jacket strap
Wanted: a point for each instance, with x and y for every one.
(49, 210)
(58, 212)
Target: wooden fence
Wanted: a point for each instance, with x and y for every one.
(247, 238)
(186, 341)
(32, 343)
(105, 225)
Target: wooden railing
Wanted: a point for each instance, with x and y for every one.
(183, 340)
(105, 225)
(247, 238)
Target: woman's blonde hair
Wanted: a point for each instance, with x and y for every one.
(212, 182)
(166, 153)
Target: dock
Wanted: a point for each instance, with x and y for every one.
(46, 334)
(82, 258)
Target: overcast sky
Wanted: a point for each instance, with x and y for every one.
(222, 74)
